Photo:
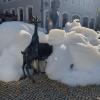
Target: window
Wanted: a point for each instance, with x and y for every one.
(20, 14)
(6, 11)
(98, 20)
(30, 14)
(85, 21)
(48, 22)
(92, 23)
(13, 11)
(54, 16)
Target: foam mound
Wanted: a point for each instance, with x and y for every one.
(76, 60)
(14, 38)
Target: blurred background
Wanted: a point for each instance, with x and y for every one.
(53, 13)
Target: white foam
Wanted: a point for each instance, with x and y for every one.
(78, 51)
(14, 38)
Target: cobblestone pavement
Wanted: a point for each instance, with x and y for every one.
(45, 89)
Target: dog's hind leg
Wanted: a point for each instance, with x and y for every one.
(24, 67)
(28, 73)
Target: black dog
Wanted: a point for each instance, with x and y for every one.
(31, 52)
(35, 52)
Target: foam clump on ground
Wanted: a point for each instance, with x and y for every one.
(70, 25)
(76, 60)
(89, 33)
(14, 38)
(56, 36)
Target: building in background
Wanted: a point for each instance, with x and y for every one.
(24, 9)
(88, 11)
(85, 10)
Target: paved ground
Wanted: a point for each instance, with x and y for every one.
(45, 89)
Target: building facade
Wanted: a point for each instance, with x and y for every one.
(88, 11)
(85, 10)
(24, 9)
